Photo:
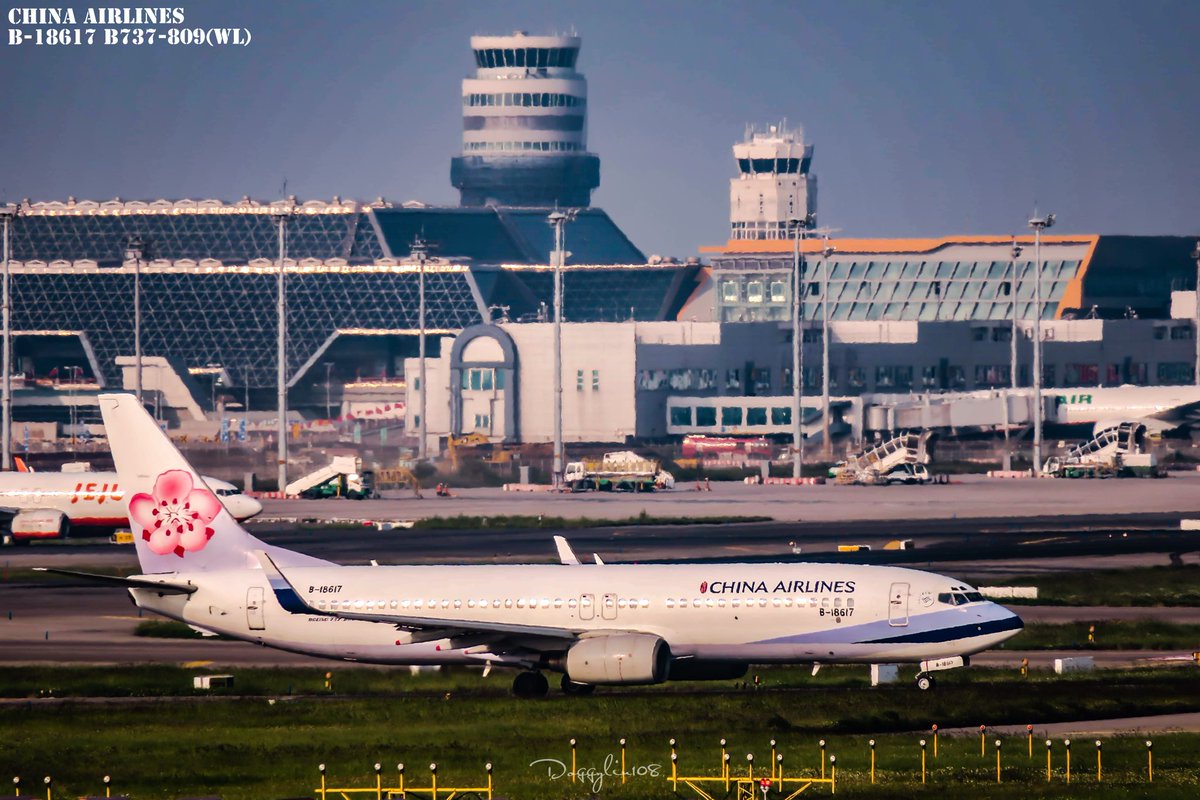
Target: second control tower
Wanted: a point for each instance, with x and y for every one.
(774, 183)
(525, 125)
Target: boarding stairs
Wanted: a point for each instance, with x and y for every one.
(907, 448)
(1106, 453)
(341, 465)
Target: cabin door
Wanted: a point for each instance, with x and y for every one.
(608, 606)
(587, 606)
(254, 609)
(898, 605)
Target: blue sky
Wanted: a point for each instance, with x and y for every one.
(928, 117)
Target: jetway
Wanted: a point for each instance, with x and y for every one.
(979, 410)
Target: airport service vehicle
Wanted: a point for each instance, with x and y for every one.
(699, 446)
(622, 471)
(598, 624)
(343, 477)
(877, 465)
(53, 505)
(1112, 452)
(909, 474)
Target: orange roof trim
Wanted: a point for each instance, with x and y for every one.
(886, 245)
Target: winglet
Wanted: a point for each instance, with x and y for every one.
(599, 561)
(285, 593)
(565, 554)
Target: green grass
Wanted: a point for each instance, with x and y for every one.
(262, 742)
(1131, 635)
(1145, 586)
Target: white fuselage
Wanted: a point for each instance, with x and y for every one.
(1120, 404)
(753, 613)
(95, 499)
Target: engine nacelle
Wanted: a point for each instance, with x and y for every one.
(626, 658)
(42, 523)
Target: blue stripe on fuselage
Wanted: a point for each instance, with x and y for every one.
(933, 626)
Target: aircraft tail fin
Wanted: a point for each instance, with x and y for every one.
(178, 523)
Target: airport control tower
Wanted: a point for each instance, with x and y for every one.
(773, 183)
(525, 125)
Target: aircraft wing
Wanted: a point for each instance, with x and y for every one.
(423, 628)
(1177, 414)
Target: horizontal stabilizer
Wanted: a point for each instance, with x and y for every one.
(129, 583)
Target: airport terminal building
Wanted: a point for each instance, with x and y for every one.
(650, 341)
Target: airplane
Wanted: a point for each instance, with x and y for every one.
(53, 505)
(1159, 408)
(601, 624)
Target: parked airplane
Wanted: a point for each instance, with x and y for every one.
(51, 505)
(1159, 408)
(594, 624)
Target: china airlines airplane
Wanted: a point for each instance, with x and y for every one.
(600, 624)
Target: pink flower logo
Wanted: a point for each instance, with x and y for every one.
(176, 518)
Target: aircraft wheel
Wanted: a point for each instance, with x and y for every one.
(570, 687)
(530, 684)
(925, 682)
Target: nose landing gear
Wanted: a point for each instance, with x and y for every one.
(531, 684)
(925, 682)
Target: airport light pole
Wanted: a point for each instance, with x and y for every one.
(558, 219)
(8, 213)
(1012, 349)
(799, 227)
(1195, 330)
(1012, 344)
(134, 250)
(420, 251)
(827, 446)
(1038, 224)
(281, 215)
(328, 402)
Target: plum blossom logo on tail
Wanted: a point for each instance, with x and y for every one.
(176, 518)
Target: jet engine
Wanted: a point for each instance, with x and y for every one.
(42, 523)
(628, 658)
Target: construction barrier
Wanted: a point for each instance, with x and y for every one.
(528, 487)
(1010, 473)
(755, 479)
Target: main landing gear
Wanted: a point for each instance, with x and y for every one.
(529, 685)
(925, 681)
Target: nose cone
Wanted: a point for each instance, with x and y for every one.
(1007, 624)
(243, 507)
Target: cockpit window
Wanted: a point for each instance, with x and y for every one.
(227, 492)
(959, 598)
